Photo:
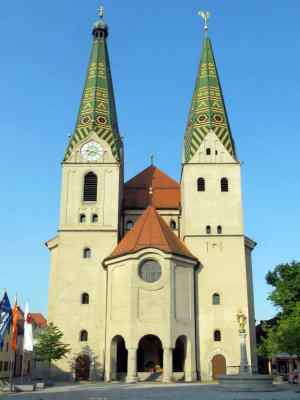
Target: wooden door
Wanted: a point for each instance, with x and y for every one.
(83, 368)
(218, 366)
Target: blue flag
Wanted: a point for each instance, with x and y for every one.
(5, 317)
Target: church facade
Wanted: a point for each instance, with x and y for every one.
(148, 276)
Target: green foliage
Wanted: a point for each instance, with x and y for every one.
(288, 332)
(284, 336)
(269, 344)
(286, 282)
(49, 346)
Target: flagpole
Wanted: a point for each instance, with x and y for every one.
(11, 358)
(13, 348)
(22, 365)
(11, 353)
(23, 352)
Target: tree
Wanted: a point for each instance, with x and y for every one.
(284, 336)
(49, 346)
(268, 346)
(285, 280)
(288, 333)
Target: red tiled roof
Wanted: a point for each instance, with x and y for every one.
(150, 230)
(166, 191)
(39, 319)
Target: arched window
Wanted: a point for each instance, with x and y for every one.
(219, 229)
(217, 336)
(87, 253)
(90, 187)
(224, 185)
(201, 185)
(85, 298)
(208, 229)
(95, 218)
(84, 336)
(173, 225)
(82, 218)
(216, 299)
(208, 151)
(129, 225)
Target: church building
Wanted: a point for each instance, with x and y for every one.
(148, 276)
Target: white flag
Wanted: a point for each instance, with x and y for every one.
(28, 339)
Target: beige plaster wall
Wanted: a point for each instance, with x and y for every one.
(136, 308)
(71, 274)
(223, 266)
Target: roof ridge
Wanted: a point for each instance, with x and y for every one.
(142, 225)
(164, 225)
(157, 234)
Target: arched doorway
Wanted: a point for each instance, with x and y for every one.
(82, 368)
(150, 354)
(179, 354)
(218, 366)
(119, 356)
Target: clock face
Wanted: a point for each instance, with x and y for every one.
(91, 151)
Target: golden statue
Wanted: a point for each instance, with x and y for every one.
(242, 319)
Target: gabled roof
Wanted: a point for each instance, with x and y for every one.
(166, 191)
(97, 111)
(208, 111)
(151, 231)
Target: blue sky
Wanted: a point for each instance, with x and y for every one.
(154, 50)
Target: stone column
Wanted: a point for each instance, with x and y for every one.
(189, 367)
(131, 366)
(244, 366)
(168, 365)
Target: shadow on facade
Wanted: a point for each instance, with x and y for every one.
(82, 366)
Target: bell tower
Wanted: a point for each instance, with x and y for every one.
(89, 228)
(212, 222)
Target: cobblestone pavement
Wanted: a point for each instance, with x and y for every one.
(150, 391)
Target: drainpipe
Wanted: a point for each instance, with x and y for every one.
(196, 324)
(105, 330)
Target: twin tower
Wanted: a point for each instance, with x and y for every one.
(148, 276)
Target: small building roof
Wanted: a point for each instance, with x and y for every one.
(166, 191)
(151, 231)
(39, 320)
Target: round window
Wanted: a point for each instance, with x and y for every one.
(150, 271)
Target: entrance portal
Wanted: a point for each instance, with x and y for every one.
(82, 368)
(218, 366)
(179, 354)
(150, 354)
(119, 356)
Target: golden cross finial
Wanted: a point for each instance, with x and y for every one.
(101, 12)
(205, 15)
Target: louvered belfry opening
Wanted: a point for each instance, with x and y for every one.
(90, 187)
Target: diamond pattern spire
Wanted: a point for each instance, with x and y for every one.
(208, 112)
(97, 111)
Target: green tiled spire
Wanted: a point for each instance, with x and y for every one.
(97, 111)
(208, 110)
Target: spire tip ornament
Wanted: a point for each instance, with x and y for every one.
(101, 12)
(152, 159)
(205, 15)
